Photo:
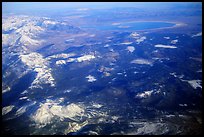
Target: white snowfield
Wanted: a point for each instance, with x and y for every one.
(30, 29)
(141, 61)
(165, 46)
(23, 28)
(13, 22)
(28, 41)
(36, 62)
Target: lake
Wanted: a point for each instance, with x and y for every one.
(130, 26)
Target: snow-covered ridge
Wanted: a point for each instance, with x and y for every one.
(29, 41)
(24, 108)
(36, 62)
(6, 89)
(197, 35)
(24, 28)
(50, 109)
(195, 83)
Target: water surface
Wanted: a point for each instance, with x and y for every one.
(130, 26)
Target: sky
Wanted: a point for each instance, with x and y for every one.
(18, 7)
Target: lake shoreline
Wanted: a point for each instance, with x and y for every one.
(118, 24)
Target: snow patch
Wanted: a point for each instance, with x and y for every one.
(141, 61)
(36, 62)
(62, 55)
(140, 40)
(167, 37)
(97, 105)
(22, 98)
(126, 43)
(183, 105)
(174, 41)
(145, 94)
(195, 83)
(60, 62)
(90, 78)
(197, 35)
(6, 90)
(131, 49)
(85, 58)
(51, 109)
(165, 46)
(107, 45)
(7, 109)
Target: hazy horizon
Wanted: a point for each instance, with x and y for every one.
(23, 7)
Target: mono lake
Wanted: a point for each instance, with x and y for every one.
(130, 26)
